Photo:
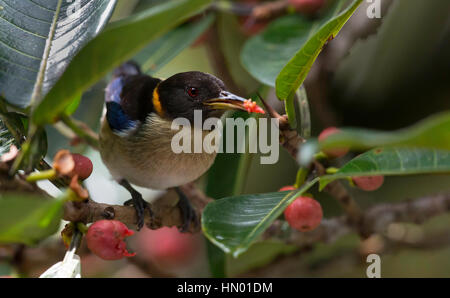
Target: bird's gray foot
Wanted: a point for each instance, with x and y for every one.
(138, 203)
(188, 214)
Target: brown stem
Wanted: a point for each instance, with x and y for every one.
(340, 193)
(165, 212)
(270, 10)
(376, 220)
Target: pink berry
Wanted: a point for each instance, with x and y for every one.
(167, 247)
(287, 188)
(304, 214)
(105, 239)
(83, 166)
(339, 152)
(307, 6)
(368, 183)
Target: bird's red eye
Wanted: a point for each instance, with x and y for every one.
(193, 92)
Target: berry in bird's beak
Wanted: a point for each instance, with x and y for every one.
(252, 107)
(229, 101)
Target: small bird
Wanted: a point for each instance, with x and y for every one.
(136, 135)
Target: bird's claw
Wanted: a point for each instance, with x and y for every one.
(139, 205)
(188, 214)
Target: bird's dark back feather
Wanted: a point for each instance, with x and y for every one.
(129, 97)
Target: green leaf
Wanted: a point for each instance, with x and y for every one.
(73, 106)
(6, 139)
(161, 51)
(303, 113)
(393, 161)
(294, 73)
(216, 260)
(433, 132)
(115, 45)
(234, 223)
(13, 129)
(289, 107)
(28, 219)
(39, 39)
(266, 54)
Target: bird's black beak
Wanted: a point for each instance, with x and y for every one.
(226, 101)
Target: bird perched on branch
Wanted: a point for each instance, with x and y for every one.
(136, 134)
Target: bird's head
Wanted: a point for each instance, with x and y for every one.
(183, 93)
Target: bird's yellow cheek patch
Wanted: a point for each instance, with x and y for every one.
(157, 103)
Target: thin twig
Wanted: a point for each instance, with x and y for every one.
(291, 141)
(81, 130)
(376, 220)
(340, 193)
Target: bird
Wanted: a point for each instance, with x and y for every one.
(135, 134)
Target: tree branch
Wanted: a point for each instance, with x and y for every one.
(376, 220)
(81, 130)
(165, 211)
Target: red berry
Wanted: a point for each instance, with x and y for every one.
(105, 239)
(339, 152)
(83, 166)
(252, 107)
(167, 247)
(304, 214)
(307, 6)
(287, 188)
(368, 183)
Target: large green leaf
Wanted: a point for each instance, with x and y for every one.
(433, 132)
(28, 219)
(38, 40)
(294, 73)
(234, 223)
(393, 161)
(118, 43)
(265, 55)
(161, 51)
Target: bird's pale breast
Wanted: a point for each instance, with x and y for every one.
(145, 158)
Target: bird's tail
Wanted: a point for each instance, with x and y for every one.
(129, 68)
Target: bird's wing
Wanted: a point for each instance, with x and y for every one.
(117, 119)
(127, 98)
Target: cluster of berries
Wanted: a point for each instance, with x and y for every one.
(252, 107)
(305, 213)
